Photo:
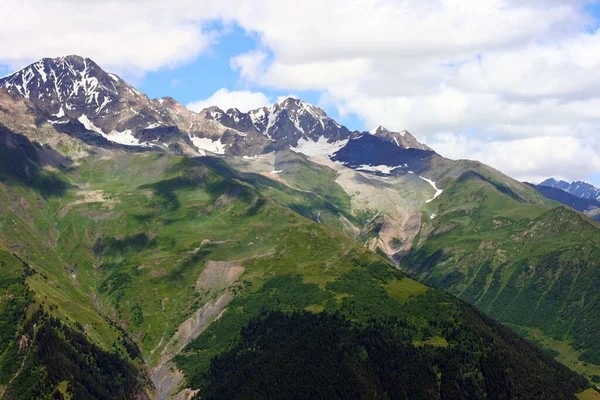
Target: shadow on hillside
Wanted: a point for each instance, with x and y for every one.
(24, 162)
(197, 177)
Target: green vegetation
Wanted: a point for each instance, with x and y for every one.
(56, 353)
(303, 355)
(310, 189)
(119, 251)
(528, 264)
(103, 270)
(418, 344)
(14, 299)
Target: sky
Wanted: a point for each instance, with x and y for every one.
(514, 84)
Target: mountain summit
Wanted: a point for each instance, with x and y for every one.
(580, 189)
(74, 90)
(70, 86)
(402, 139)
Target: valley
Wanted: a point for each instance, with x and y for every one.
(186, 256)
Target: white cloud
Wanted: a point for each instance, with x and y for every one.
(250, 65)
(516, 72)
(524, 75)
(129, 37)
(531, 159)
(243, 100)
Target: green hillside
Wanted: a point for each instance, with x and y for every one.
(381, 336)
(529, 265)
(122, 267)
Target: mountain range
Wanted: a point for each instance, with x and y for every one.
(174, 252)
(74, 93)
(588, 206)
(580, 189)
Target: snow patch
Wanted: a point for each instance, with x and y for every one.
(104, 103)
(89, 125)
(271, 121)
(214, 146)
(60, 113)
(257, 117)
(374, 130)
(26, 77)
(384, 169)
(437, 191)
(297, 125)
(320, 147)
(125, 137)
(40, 69)
(114, 77)
(216, 114)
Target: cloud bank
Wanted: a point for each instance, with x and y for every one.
(243, 100)
(514, 84)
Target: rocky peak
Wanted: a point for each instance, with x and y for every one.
(284, 123)
(403, 139)
(577, 188)
(378, 130)
(70, 86)
(75, 95)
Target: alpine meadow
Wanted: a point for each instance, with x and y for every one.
(277, 250)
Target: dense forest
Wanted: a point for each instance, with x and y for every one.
(42, 357)
(377, 342)
(305, 355)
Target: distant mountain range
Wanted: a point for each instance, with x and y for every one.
(590, 207)
(580, 189)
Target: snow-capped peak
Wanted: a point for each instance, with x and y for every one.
(378, 128)
(72, 82)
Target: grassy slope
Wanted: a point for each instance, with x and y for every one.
(130, 235)
(310, 189)
(526, 264)
(123, 237)
(161, 231)
(431, 331)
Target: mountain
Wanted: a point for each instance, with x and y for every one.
(126, 268)
(588, 206)
(533, 267)
(403, 139)
(75, 94)
(172, 256)
(129, 121)
(577, 188)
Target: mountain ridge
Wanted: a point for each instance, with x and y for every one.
(587, 206)
(576, 188)
(147, 254)
(66, 88)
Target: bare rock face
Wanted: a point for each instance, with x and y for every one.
(80, 99)
(72, 87)
(403, 139)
